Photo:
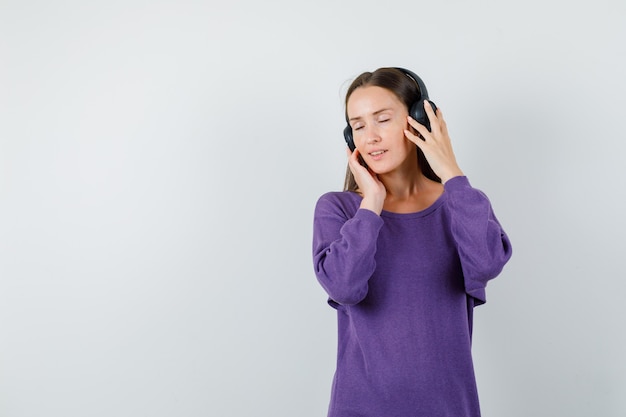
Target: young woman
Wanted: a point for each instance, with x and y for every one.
(404, 253)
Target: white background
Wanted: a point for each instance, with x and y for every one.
(159, 165)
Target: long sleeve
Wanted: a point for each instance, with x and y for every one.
(405, 285)
(483, 246)
(344, 245)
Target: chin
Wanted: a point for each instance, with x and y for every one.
(380, 170)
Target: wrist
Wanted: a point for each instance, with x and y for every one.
(372, 204)
(445, 177)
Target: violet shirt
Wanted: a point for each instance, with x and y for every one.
(404, 287)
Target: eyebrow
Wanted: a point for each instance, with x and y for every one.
(375, 113)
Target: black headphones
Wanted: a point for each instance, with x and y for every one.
(416, 111)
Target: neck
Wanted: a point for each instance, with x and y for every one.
(409, 191)
(405, 181)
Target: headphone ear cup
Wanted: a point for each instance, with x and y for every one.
(347, 135)
(418, 113)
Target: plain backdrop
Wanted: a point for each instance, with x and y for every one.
(159, 166)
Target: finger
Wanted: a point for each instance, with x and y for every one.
(352, 155)
(444, 127)
(418, 140)
(432, 117)
(354, 161)
(416, 125)
(429, 108)
(442, 122)
(420, 128)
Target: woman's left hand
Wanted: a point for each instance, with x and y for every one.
(435, 144)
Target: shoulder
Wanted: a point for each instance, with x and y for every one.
(459, 183)
(461, 194)
(339, 202)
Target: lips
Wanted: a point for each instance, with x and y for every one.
(377, 154)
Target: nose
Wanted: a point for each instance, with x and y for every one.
(371, 134)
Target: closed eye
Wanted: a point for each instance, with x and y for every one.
(383, 117)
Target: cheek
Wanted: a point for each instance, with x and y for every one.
(358, 139)
(399, 133)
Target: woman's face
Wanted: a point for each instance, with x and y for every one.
(378, 119)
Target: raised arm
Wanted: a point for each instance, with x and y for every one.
(483, 246)
(344, 245)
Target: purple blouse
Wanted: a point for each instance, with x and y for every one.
(404, 287)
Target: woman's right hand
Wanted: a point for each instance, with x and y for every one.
(371, 188)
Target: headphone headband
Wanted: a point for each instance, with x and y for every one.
(418, 81)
